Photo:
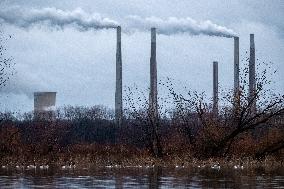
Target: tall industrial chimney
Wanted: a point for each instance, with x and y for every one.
(153, 104)
(44, 105)
(118, 88)
(215, 88)
(252, 83)
(236, 74)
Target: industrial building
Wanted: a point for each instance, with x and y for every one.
(44, 105)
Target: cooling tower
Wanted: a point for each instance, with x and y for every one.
(44, 105)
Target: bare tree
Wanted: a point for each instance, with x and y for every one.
(6, 63)
(142, 113)
(216, 136)
(6, 70)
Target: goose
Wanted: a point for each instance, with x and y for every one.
(31, 166)
(71, 165)
(216, 166)
(44, 166)
(201, 166)
(68, 166)
(239, 166)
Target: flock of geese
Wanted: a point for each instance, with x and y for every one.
(73, 166)
(28, 167)
(34, 167)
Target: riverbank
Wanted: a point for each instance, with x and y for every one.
(89, 161)
(142, 177)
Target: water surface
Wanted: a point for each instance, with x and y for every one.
(142, 178)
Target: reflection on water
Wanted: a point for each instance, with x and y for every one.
(142, 178)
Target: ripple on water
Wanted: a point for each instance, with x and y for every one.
(141, 178)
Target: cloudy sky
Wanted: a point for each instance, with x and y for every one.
(79, 63)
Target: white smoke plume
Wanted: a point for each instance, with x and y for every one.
(59, 18)
(174, 25)
(55, 17)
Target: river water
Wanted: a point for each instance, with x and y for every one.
(156, 177)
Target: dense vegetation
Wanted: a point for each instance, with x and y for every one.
(184, 134)
(189, 130)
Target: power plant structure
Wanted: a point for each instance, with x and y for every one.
(44, 105)
(153, 104)
(252, 82)
(236, 74)
(215, 88)
(118, 84)
(44, 102)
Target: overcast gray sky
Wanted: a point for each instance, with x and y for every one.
(80, 65)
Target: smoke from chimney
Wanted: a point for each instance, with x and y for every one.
(82, 20)
(55, 17)
(174, 25)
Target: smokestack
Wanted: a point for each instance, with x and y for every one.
(215, 88)
(252, 98)
(153, 76)
(44, 105)
(118, 89)
(236, 74)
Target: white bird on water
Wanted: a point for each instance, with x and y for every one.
(44, 166)
(216, 166)
(69, 166)
(19, 167)
(31, 167)
(239, 166)
(180, 166)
